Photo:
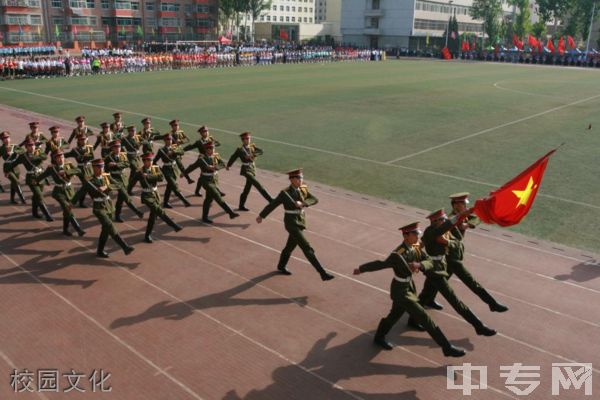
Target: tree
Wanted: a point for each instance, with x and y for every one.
(580, 16)
(490, 12)
(256, 8)
(521, 24)
(226, 12)
(554, 10)
(538, 29)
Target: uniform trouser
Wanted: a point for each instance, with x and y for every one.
(440, 284)
(108, 229)
(123, 197)
(192, 167)
(64, 200)
(37, 198)
(15, 188)
(212, 193)
(153, 203)
(172, 187)
(409, 303)
(296, 238)
(251, 181)
(457, 268)
(81, 192)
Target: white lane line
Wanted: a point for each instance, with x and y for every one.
(472, 135)
(497, 86)
(315, 149)
(102, 328)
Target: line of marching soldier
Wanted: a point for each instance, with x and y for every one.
(438, 253)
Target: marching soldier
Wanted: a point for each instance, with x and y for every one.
(56, 142)
(9, 153)
(168, 154)
(132, 143)
(247, 153)
(31, 160)
(435, 239)
(35, 135)
(117, 126)
(210, 164)
(454, 258)
(105, 137)
(198, 145)
(179, 138)
(295, 198)
(99, 187)
(148, 134)
(81, 128)
(148, 177)
(63, 193)
(406, 259)
(115, 162)
(83, 154)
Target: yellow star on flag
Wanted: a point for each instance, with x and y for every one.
(524, 195)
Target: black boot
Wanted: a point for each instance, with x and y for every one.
(66, 227)
(379, 340)
(229, 211)
(46, 212)
(448, 349)
(101, 243)
(35, 211)
(325, 276)
(434, 305)
(76, 225)
(171, 223)
(149, 227)
(411, 323)
(490, 301)
(12, 195)
(2, 189)
(479, 326)
(126, 248)
(183, 199)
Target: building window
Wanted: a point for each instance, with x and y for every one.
(269, 18)
(56, 3)
(274, 8)
(104, 4)
(280, 19)
(150, 6)
(57, 21)
(135, 5)
(91, 3)
(287, 19)
(169, 6)
(35, 19)
(122, 5)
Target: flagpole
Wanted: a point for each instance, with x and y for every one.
(587, 47)
(449, 19)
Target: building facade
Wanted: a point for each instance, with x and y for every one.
(117, 21)
(290, 20)
(404, 23)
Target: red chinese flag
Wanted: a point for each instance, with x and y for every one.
(532, 41)
(283, 34)
(561, 45)
(509, 204)
(550, 45)
(571, 42)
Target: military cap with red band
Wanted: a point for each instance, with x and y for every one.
(148, 156)
(460, 197)
(115, 143)
(437, 214)
(410, 228)
(295, 173)
(98, 162)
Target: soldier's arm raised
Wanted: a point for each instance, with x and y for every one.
(310, 199)
(271, 206)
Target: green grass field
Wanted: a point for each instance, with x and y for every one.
(451, 126)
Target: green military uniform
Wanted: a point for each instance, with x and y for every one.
(168, 156)
(103, 140)
(38, 139)
(437, 277)
(295, 222)
(148, 179)
(199, 146)
(53, 145)
(32, 162)
(99, 188)
(83, 155)
(63, 193)
(132, 145)
(148, 137)
(209, 165)
(247, 155)
(180, 139)
(403, 294)
(455, 256)
(9, 154)
(114, 165)
(86, 131)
